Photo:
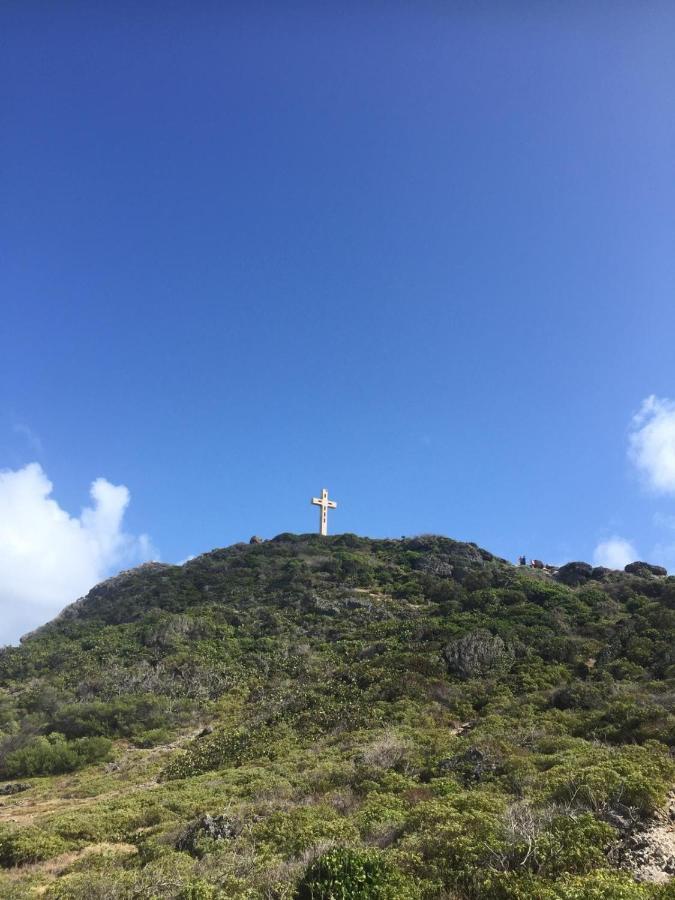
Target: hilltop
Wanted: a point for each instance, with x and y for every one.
(337, 716)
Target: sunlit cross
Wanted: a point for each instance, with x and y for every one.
(325, 505)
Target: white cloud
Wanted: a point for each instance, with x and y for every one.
(652, 443)
(614, 553)
(49, 558)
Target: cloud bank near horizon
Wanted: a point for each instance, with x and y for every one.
(49, 558)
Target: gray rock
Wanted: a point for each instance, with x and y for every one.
(647, 849)
(645, 570)
(16, 787)
(196, 837)
(574, 573)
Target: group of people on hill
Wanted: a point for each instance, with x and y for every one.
(534, 564)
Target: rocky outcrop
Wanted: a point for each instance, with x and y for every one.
(197, 836)
(574, 573)
(648, 850)
(6, 790)
(645, 570)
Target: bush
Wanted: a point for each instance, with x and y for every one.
(53, 755)
(297, 830)
(458, 837)
(152, 738)
(121, 717)
(204, 835)
(353, 875)
(599, 885)
(573, 845)
(220, 749)
(578, 695)
(633, 777)
(478, 654)
(28, 845)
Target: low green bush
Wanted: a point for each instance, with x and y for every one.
(53, 754)
(573, 845)
(347, 874)
(21, 846)
(152, 738)
(294, 831)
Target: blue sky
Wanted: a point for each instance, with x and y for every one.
(421, 254)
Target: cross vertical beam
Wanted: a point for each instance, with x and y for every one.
(325, 505)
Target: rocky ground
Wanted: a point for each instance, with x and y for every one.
(648, 851)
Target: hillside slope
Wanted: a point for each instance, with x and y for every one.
(343, 717)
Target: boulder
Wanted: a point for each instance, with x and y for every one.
(645, 570)
(256, 539)
(574, 573)
(195, 839)
(16, 787)
(599, 573)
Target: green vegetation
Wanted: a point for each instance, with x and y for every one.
(53, 754)
(340, 717)
(344, 873)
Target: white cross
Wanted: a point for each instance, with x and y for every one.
(325, 505)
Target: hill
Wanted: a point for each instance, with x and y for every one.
(344, 717)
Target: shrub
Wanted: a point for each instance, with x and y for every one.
(598, 885)
(122, 716)
(28, 845)
(293, 832)
(380, 812)
(477, 654)
(152, 738)
(634, 777)
(223, 748)
(53, 755)
(573, 845)
(457, 837)
(345, 874)
(578, 695)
